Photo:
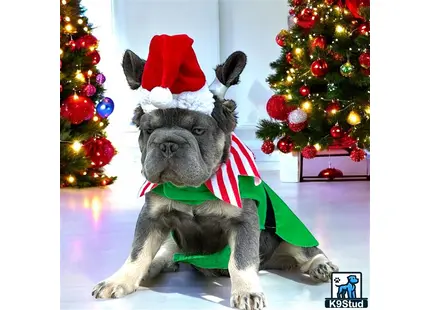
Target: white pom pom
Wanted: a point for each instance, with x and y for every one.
(297, 116)
(161, 97)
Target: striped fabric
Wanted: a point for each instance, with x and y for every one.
(225, 183)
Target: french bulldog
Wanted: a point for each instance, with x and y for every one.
(186, 148)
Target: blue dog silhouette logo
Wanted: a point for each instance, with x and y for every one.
(346, 291)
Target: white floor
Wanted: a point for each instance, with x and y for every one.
(97, 228)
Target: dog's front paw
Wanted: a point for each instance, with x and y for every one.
(248, 301)
(113, 289)
(322, 272)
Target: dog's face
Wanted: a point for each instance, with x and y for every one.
(352, 279)
(180, 146)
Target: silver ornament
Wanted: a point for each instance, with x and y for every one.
(291, 22)
(297, 116)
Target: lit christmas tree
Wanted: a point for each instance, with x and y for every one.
(321, 80)
(84, 148)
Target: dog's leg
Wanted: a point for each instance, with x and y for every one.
(246, 291)
(148, 237)
(311, 260)
(352, 292)
(163, 260)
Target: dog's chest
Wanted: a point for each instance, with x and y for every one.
(197, 228)
(210, 209)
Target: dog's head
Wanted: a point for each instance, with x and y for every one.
(180, 146)
(352, 279)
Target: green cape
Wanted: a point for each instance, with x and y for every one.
(271, 208)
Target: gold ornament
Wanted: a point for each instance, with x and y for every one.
(306, 106)
(367, 109)
(353, 118)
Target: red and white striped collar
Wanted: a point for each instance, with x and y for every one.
(224, 184)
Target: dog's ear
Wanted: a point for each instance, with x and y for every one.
(229, 72)
(137, 116)
(132, 66)
(224, 113)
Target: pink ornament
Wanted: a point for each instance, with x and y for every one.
(100, 78)
(89, 90)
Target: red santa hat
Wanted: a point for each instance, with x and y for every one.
(172, 77)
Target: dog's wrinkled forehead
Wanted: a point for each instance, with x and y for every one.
(177, 118)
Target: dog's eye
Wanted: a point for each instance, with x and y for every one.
(198, 131)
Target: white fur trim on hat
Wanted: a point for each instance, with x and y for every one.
(160, 97)
(201, 100)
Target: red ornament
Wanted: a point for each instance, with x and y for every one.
(280, 41)
(354, 7)
(89, 90)
(99, 150)
(297, 127)
(336, 132)
(309, 152)
(268, 147)
(95, 57)
(357, 154)
(61, 88)
(281, 37)
(77, 109)
(292, 12)
(364, 60)
(306, 18)
(289, 57)
(364, 29)
(343, 143)
(304, 90)
(330, 173)
(319, 68)
(319, 42)
(297, 2)
(285, 145)
(337, 56)
(333, 107)
(72, 45)
(61, 63)
(87, 41)
(278, 108)
(365, 71)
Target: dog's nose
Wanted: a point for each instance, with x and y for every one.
(168, 148)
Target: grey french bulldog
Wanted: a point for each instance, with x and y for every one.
(186, 148)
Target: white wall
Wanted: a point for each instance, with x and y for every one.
(251, 26)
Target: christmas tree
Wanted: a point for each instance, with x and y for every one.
(84, 148)
(321, 80)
